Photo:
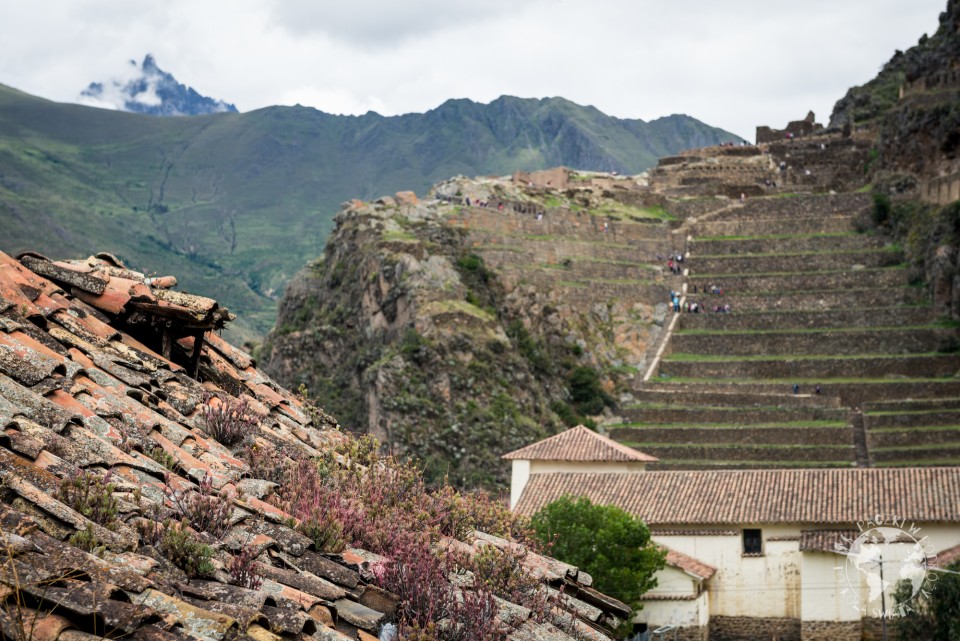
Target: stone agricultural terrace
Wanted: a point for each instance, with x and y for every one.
(830, 355)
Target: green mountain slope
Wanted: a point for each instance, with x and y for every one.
(235, 204)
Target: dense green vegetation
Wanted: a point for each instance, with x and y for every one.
(934, 613)
(605, 541)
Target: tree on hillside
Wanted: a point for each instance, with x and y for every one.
(603, 540)
(933, 614)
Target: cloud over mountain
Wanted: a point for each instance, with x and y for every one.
(149, 90)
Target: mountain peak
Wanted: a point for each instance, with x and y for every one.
(147, 89)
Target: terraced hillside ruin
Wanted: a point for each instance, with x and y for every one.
(815, 345)
(502, 309)
(483, 319)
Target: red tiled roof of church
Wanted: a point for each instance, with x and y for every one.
(579, 444)
(728, 497)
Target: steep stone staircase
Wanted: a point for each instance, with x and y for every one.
(814, 305)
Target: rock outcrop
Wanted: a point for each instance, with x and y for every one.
(479, 320)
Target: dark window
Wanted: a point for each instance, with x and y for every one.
(752, 542)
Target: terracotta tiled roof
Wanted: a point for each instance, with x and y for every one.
(948, 557)
(688, 564)
(94, 377)
(579, 444)
(835, 496)
(826, 540)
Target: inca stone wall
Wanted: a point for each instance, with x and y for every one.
(830, 631)
(754, 629)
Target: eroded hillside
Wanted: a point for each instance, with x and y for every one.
(482, 319)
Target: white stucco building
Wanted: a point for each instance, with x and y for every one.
(788, 554)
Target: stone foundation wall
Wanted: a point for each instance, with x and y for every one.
(748, 455)
(814, 368)
(694, 207)
(743, 415)
(941, 190)
(882, 277)
(686, 633)
(835, 342)
(764, 227)
(760, 264)
(784, 436)
(830, 631)
(754, 629)
(800, 206)
(875, 297)
(871, 629)
(850, 394)
(740, 320)
(800, 244)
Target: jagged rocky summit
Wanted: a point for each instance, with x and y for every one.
(150, 90)
(156, 485)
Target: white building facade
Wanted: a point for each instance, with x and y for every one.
(788, 554)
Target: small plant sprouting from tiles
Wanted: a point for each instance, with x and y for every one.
(87, 541)
(376, 502)
(180, 545)
(205, 510)
(91, 496)
(160, 455)
(229, 420)
(243, 569)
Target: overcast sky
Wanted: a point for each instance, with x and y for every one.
(733, 64)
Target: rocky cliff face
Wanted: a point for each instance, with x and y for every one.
(918, 141)
(477, 322)
(912, 110)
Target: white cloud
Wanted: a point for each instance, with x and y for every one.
(383, 23)
(735, 64)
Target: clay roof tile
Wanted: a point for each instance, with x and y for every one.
(732, 497)
(579, 444)
(79, 394)
(689, 564)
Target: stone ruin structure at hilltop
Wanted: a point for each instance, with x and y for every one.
(803, 157)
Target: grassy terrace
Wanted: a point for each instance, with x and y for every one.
(724, 358)
(801, 292)
(566, 239)
(832, 252)
(828, 312)
(586, 282)
(945, 324)
(702, 464)
(926, 428)
(806, 274)
(926, 462)
(600, 261)
(499, 248)
(843, 234)
(641, 445)
(621, 212)
(787, 382)
(720, 408)
(935, 408)
(734, 426)
(926, 447)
